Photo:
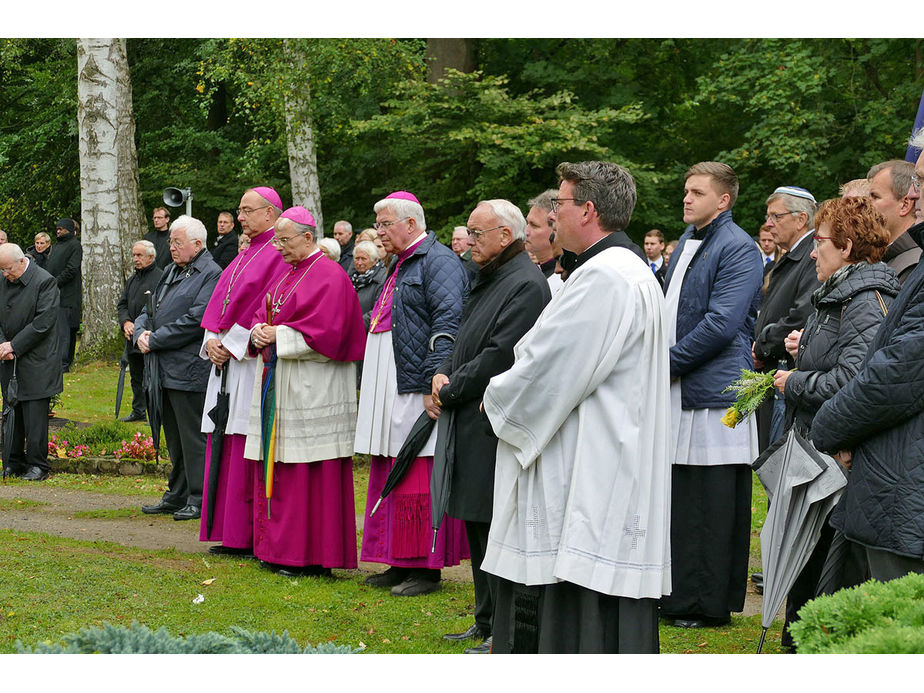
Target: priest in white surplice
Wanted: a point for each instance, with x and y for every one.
(581, 519)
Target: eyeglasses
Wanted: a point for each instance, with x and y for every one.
(176, 243)
(379, 225)
(281, 241)
(478, 234)
(246, 210)
(815, 240)
(776, 217)
(915, 181)
(556, 201)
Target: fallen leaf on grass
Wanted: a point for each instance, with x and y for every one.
(386, 641)
(404, 637)
(207, 582)
(371, 631)
(199, 599)
(362, 645)
(703, 644)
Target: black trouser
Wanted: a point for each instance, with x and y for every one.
(136, 371)
(485, 584)
(885, 565)
(182, 419)
(29, 442)
(67, 338)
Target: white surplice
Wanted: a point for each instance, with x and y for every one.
(242, 369)
(582, 482)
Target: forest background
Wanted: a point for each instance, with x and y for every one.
(218, 115)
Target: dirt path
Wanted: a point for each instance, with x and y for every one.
(69, 513)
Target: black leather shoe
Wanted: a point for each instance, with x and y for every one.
(483, 648)
(190, 512)
(415, 586)
(700, 622)
(160, 507)
(133, 417)
(35, 474)
(304, 571)
(219, 550)
(473, 632)
(391, 577)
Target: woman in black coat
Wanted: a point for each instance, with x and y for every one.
(368, 276)
(857, 289)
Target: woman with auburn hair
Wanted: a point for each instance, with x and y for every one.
(857, 289)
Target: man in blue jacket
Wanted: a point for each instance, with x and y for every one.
(712, 294)
(173, 335)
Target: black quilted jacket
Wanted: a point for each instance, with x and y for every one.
(879, 415)
(837, 336)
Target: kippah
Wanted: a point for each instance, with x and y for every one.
(795, 192)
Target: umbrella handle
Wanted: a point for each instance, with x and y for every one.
(433, 547)
(375, 507)
(760, 645)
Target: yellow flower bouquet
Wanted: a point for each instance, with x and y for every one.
(752, 388)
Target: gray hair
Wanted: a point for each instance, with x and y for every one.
(331, 246)
(899, 170)
(509, 215)
(300, 229)
(44, 236)
(149, 247)
(369, 248)
(195, 229)
(543, 200)
(12, 251)
(796, 204)
(403, 208)
(344, 223)
(609, 186)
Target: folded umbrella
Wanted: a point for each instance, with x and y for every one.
(441, 478)
(413, 444)
(10, 400)
(219, 416)
(268, 410)
(803, 485)
(152, 388)
(120, 387)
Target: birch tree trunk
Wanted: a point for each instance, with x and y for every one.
(303, 160)
(110, 203)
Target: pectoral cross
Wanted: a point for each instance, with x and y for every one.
(224, 304)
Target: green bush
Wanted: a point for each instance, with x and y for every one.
(139, 639)
(875, 617)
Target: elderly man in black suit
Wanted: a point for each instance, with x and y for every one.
(174, 335)
(507, 295)
(134, 297)
(29, 301)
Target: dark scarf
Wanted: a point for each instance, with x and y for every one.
(366, 278)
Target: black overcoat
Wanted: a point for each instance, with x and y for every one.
(180, 298)
(787, 304)
(506, 298)
(28, 320)
(64, 265)
(161, 241)
(134, 296)
(225, 249)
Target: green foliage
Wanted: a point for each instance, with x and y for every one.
(750, 390)
(874, 617)
(139, 639)
(467, 138)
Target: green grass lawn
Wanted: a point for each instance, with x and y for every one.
(53, 586)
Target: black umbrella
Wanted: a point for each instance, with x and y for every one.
(152, 389)
(844, 566)
(9, 419)
(219, 416)
(441, 478)
(414, 443)
(120, 388)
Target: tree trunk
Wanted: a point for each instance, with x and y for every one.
(110, 203)
(303, 160)
(443, 53)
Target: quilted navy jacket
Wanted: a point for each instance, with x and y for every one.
(426, 311)
(879, 415)
(715, 318)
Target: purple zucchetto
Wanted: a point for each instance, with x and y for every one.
(299, 215)
(403, 195)
(269, 195)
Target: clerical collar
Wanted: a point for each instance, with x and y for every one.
(413, 246)
(548, 268)
(610, 240)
